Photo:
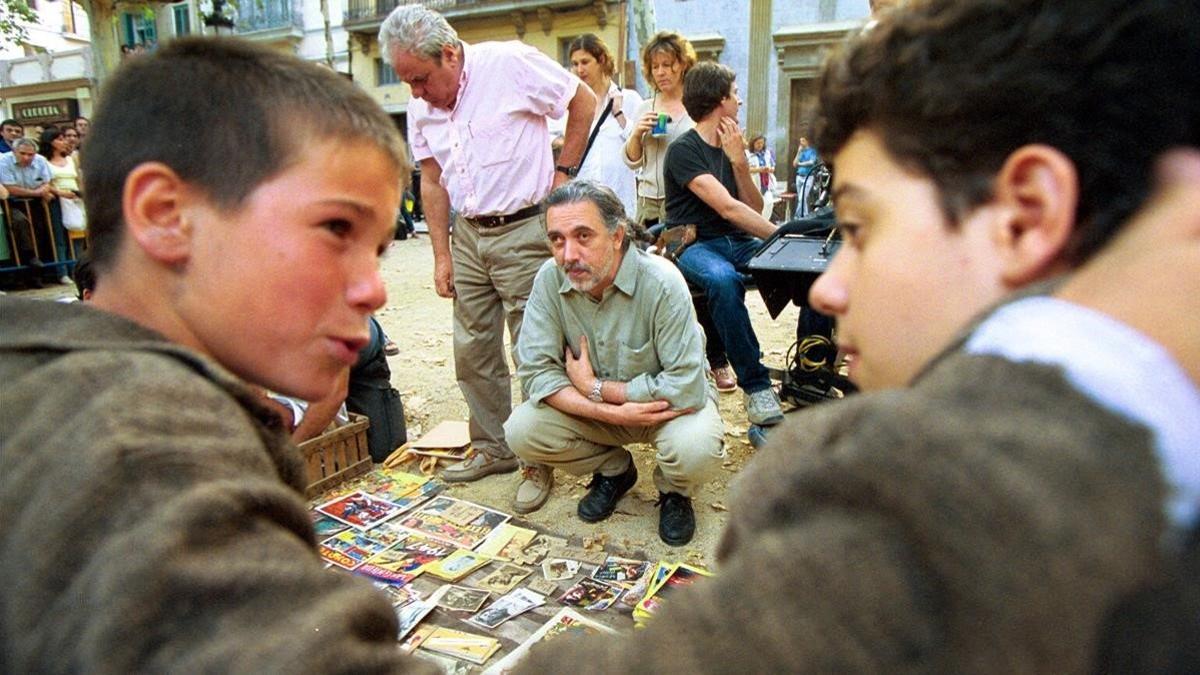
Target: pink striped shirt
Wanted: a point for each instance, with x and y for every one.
(493, 146)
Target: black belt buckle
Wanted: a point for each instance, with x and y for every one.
(489, 222)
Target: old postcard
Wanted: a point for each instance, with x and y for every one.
(621, 570)
(506, 607)
(543, 586)
(461, 599)
(589, 594)
(559, 569)
(503, 579)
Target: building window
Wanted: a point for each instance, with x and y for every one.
(139, 30)
(183, 19)
(384, 74)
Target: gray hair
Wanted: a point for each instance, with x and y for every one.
(25, 141)
(612, 211)
(415, 29)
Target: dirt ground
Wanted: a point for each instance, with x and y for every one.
(420, 322)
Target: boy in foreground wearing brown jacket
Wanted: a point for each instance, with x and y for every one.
(1016, 473)
(152, 511)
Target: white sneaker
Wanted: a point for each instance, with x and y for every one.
(534, 490)
(66, 280)
(762, 407)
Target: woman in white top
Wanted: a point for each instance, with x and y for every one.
(762, 170)
(666, 58)
(593, 63)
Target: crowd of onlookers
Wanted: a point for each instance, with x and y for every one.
(40, 184)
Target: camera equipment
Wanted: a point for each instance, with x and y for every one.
(784, 270)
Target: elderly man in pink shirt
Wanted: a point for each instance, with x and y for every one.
(477, 125)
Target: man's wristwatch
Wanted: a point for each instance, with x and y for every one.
(596, 394)
(570, 171)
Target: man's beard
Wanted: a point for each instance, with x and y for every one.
(594, 277)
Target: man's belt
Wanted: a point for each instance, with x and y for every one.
(497, 221)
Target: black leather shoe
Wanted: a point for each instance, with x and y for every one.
(604, 493)
(676, 521)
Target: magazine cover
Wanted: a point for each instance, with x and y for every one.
(506, 607)
(566, 622)
(621, 570)
(429, 519)
(457, 565)
(682, 575)
(406, 560)
(388, 533)
(410, 500)
(591, 595)
(360, 510)
(349, 549)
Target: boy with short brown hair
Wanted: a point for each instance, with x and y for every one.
(152, 507)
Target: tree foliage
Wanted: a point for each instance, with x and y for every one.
(14, 15)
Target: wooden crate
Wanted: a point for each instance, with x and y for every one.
(336, 455)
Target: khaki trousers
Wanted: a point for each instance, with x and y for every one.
(493, 273)
(689, 449)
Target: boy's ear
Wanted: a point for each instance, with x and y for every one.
(1039, 190)
(154, 205)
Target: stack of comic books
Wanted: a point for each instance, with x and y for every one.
(664, 581)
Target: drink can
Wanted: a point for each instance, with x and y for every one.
(660, 127)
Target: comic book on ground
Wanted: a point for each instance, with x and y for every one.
(325, 526)
(349, 549)
(682, 575)
(566, 622)
(360, 510)
(406, 559)
(430, 519)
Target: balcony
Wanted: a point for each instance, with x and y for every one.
(32, 73)
(362, 15)
(270, 20)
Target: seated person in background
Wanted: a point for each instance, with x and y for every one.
(611, 354)
(990, 516)
(709, 185)
(132, 442)
(26, 176)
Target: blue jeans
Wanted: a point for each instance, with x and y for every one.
(713, 266)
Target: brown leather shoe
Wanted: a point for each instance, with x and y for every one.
(477, 466)
(726, 380)
(534, 490)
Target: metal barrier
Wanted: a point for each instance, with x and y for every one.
(54, 260)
